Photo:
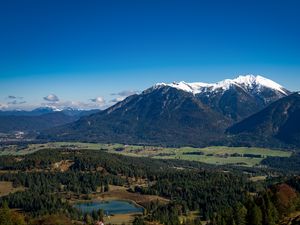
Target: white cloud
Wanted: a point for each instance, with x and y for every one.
(51, 98)
(119, 99)
(98, 100)
(122, 95)
(3, 106)
(95, 103)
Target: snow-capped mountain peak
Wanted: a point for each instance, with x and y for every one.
(49, 108)
(252, 82)
(248, 82)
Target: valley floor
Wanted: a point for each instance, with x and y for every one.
(216, 155)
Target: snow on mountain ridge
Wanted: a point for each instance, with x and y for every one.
(52, 108)
(248, 81)
(49, 108)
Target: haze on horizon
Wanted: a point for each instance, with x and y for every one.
(92, 55)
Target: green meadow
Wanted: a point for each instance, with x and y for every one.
(218, 155)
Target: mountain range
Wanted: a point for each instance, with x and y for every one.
(246, 111)
(195, 114)
(237, 98)
(48, 109)
(39, 119)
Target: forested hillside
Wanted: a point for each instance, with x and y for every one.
(216, 194)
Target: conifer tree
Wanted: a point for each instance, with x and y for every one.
(240, 214)
(254, 215)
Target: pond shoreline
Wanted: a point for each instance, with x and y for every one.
(111, 207)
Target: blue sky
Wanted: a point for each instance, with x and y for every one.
(81, 50)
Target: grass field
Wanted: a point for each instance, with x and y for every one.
(213, 155)
(120, 219)
(218, 155)
(31, 148)
(7, 188)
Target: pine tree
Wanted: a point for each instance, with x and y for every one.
(254, 215)
(240, 214)
(106, 187)
(271, 214)
(138, 221)
(101, 214)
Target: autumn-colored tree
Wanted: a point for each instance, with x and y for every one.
(286, 198)
(18, 219)
(7, 217)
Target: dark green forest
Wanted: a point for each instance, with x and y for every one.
(223, 195)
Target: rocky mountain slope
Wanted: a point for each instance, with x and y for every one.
(280, 121)
(176, 114)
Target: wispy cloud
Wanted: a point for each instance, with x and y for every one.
(16, 102)
(126, 93)
(14, 97)
(51, 98)
(94, 103)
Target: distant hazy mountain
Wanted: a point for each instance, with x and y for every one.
(39, 119)
(35, 112)
(280, 121)
(45, 110)
(176, 114)
(33, 123)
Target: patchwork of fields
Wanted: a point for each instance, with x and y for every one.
(218, 155)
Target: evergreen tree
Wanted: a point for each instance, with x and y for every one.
(138, 221)
(254, 215)
(270, 214)
(106, 187)
(101, 214)
(240, 214)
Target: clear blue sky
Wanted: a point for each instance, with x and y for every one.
(80, 50)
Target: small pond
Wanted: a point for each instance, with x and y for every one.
(109, 207)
